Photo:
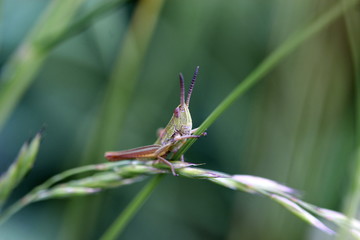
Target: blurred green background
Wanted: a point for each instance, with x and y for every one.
(295, 127)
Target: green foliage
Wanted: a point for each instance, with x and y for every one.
(21, 166)
(103, 76)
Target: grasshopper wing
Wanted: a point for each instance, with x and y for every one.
(144, 152)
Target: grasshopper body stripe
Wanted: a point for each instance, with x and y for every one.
(140, 152)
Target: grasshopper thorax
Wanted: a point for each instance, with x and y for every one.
(182, 120)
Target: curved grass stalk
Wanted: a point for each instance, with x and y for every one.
(114, 175)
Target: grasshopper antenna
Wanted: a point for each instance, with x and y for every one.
(192, 85)
(182, 89)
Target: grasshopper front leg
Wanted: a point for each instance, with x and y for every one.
(183, 137)
(178, 141)
(195, 129)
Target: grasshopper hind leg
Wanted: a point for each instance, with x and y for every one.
(161, 159)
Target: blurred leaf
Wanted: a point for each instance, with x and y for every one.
(16, 172)
(352, 200)
(22, 67)
(87, 20)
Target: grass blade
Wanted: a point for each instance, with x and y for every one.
(22, 165)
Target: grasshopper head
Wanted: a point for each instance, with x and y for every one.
(182, 117)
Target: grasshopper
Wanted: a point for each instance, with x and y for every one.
(171, 138)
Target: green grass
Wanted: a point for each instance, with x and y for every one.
(57, 25)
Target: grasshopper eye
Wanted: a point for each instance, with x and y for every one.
(177, 112)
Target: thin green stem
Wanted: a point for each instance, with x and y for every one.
(121, 222)
(269, 64)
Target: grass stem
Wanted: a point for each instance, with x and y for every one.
(124, 218)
